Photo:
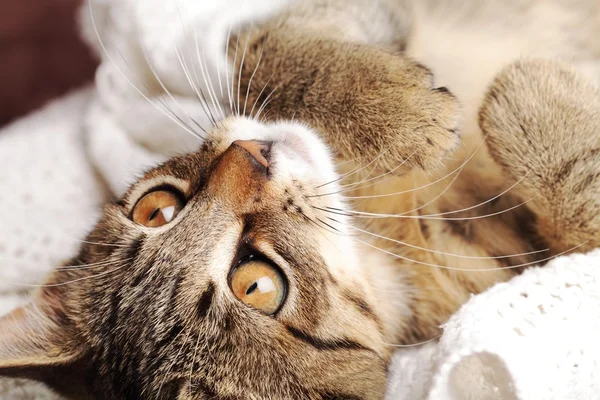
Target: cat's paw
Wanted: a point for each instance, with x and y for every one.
(541, 117)
(371, 106)
(542, 126)
(410, 122)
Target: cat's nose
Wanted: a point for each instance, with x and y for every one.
(241, 174)
(257, 150)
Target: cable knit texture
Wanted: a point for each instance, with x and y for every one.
(534, 337)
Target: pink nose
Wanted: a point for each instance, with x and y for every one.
(257, 149)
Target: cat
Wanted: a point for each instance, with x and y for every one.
(381, 180)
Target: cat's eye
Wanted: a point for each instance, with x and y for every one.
(157, 208)
(260, 285)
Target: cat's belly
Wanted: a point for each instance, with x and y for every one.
(452, 235)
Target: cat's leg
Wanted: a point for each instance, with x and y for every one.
(367, 102)
(543, 120)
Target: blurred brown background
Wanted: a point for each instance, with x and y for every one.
(41, 55)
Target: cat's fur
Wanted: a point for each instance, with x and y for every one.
(147, 313)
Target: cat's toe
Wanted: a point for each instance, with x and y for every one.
(434, 119)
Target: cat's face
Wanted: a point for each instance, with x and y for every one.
(218, 277)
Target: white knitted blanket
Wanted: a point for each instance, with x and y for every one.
(534, 337)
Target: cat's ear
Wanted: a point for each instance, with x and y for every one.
(38, 340)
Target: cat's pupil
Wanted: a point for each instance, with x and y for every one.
(154, 214)
(252, 288)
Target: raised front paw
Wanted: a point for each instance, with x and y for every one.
(403, 118)
(370, 105)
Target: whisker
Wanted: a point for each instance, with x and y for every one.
(160, 81)
(463, 209)
(204, 71)
(160, 97)
(103, 46)
(266, 116)
(237, 43)
(328, 225)
(445, 253)
(441, 252)
(432, 216)
(470, 269)
(413, 344)
(336, 211)
(260, 94)
(334, 220)
(339, 178)
(219, 67)
(208, 84)
(78, 239)
(229, 92)
(199, 93)
(240, 70)
(265, 103)
(367, 179)
(103, 244)
(217, 102)
(103, 263)
(203, 102)
(72, 281)
(349, 173)
(319, 227)
(436, 197)
(375, 177)
(361, 214)
(252, 77)
(484, 202)
(424, 186)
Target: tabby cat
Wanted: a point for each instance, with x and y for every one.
(284, 257)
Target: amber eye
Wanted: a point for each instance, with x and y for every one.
(157, 208)
(260, 285)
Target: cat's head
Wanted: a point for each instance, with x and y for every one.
(216, 276)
